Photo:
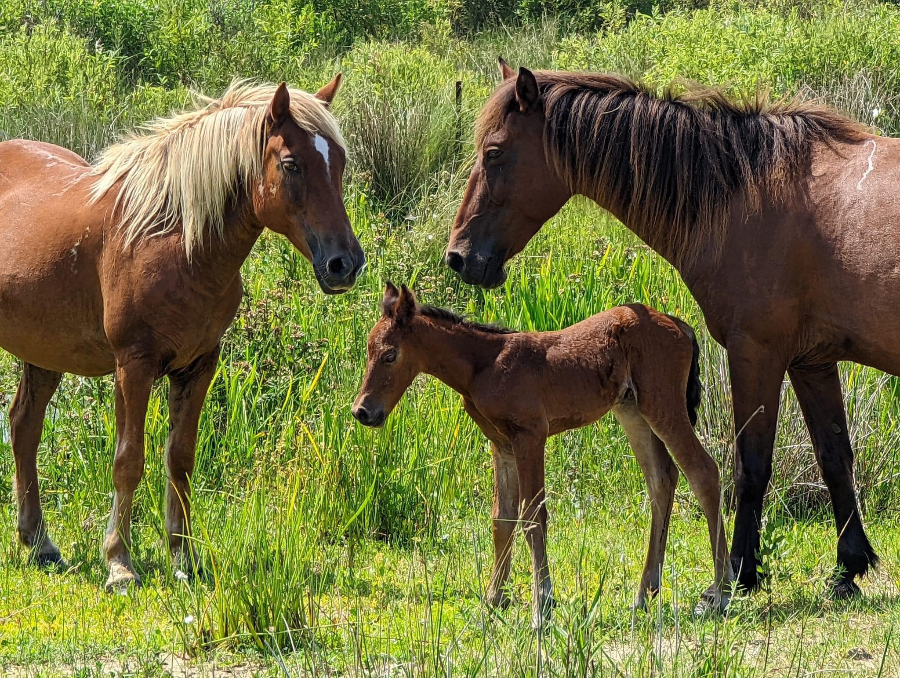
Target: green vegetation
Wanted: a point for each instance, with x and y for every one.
(334, 549)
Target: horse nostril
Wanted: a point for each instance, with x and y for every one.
(455, 261)
(361, 414)
(339, 266)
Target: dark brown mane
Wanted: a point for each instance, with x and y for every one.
(671, 162)
(454, 319)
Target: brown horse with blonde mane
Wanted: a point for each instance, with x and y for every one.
(132, 266)
(781, 217)
(522, 387)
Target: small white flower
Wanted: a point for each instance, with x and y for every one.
(190, 619)
(876, 112)
(180, 576)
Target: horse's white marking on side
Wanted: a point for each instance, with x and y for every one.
(322, 147)
(870, 167)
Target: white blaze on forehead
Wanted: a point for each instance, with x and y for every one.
(322, 147)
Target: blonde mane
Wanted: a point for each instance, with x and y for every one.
(181, 172)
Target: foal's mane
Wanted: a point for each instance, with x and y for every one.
(442, 314)
(183, 171)
(671, 162)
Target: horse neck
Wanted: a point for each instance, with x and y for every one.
(454, 353)
(220, 258)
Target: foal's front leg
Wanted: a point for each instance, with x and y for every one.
(505, 516)
(187, 393)
(134, 379)
(529, 454)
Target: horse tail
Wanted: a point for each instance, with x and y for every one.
(694, 385)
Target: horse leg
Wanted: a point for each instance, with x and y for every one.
(819, 394)
(134, 379)
(756, 377)
(26, 422)
(529, 455)
(661, 477)
(187, 393)
(702, 475)
(504, 516)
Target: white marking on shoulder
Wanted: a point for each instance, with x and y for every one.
(870, 167)
(322, 147)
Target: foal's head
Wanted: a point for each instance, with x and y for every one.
(300, 197)
(393, 361)
(512, 189)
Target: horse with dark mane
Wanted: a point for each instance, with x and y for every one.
(782, 218)
(132, 266)
(522, 387)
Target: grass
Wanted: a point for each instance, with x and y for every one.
(334, 550)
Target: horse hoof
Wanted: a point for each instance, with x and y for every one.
(712, 603)
(51, 561)
(843, 589)
(541, 614)
(121, 579)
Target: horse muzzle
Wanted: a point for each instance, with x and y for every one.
(483, 271)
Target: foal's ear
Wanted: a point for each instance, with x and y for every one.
(279, 107)
(527, 94)
(391, 294)
(405, 308)
(327, 93)
(505, 70)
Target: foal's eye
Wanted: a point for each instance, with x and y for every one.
(289, 166)
(493, 153)
(390, 357)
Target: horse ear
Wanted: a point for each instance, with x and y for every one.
(327, 93)
(527, 93)
(505, 70)
(280, 106)
(391, 294)
(405, 308)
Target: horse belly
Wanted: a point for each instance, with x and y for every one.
(50, 301)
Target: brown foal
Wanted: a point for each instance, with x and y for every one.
(522, 387)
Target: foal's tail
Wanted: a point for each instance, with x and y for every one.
(694, 386)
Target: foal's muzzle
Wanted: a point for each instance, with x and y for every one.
(368, 416)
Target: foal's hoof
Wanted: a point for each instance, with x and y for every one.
(842, 588)
(121, 579)
(541, 614)
(712, 602)
(498, 599)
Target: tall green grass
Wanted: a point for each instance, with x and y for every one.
(299, 510)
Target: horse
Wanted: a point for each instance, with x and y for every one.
(131, 266)
(522, 387)
(782, 218)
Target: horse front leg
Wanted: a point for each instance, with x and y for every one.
(134, 379)
(819, 393)
(187, 393)
(757, 373)
(26, 422)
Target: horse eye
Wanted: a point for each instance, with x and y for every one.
(390, 357)
(290, 167)
(493, 153)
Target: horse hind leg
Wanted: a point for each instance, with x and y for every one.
(26, 420)
(821, 400)
(661, 477)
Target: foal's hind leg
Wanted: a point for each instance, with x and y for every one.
(187, 392)
(661, 476)
(819, 394)
(702, 475)
(134, 379)
(26, 419)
